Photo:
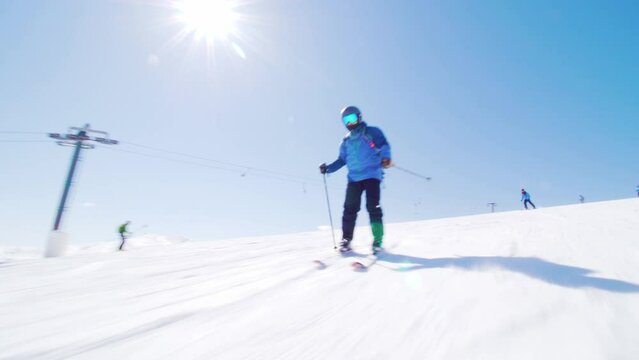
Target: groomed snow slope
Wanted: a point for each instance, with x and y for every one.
(554, 283)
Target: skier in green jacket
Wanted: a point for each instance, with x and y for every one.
(123, 233)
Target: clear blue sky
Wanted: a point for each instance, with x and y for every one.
(484, 96)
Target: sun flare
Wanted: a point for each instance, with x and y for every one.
(208, 19)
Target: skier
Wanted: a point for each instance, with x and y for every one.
(637, 190)
(582, 199)
(525, 197)
(122, 230)
(365, 152)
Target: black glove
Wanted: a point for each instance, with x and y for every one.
(386, 163)
(323, 168)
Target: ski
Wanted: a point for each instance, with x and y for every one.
(364, 264)
(322, 264)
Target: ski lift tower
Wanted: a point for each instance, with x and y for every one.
(57, 241)
(492, 206)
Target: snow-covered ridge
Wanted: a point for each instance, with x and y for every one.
(12, 253)
(553, 283)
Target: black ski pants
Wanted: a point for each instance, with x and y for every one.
(123, 240)
(526, 202)
(353, 203)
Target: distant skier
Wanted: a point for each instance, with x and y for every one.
(525, 197)
(637, 190)
(365, 152)
(122, 230)
(582, 199)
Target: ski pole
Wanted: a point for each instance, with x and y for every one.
(427, 178)
(138, 229)
(330, 216)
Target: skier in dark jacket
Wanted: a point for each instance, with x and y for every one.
(525, 197)
(122, 230)
(365, 152)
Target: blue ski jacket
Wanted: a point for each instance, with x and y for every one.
(525, 196)
(362, 151)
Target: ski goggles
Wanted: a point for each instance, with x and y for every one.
(350, 119)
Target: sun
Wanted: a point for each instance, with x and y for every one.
(212, 25)
(208, 20)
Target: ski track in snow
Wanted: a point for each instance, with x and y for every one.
(554, 283)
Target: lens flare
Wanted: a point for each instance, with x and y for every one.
(216, 26)
(208, 19)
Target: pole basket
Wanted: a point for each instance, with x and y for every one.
(56, 244)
